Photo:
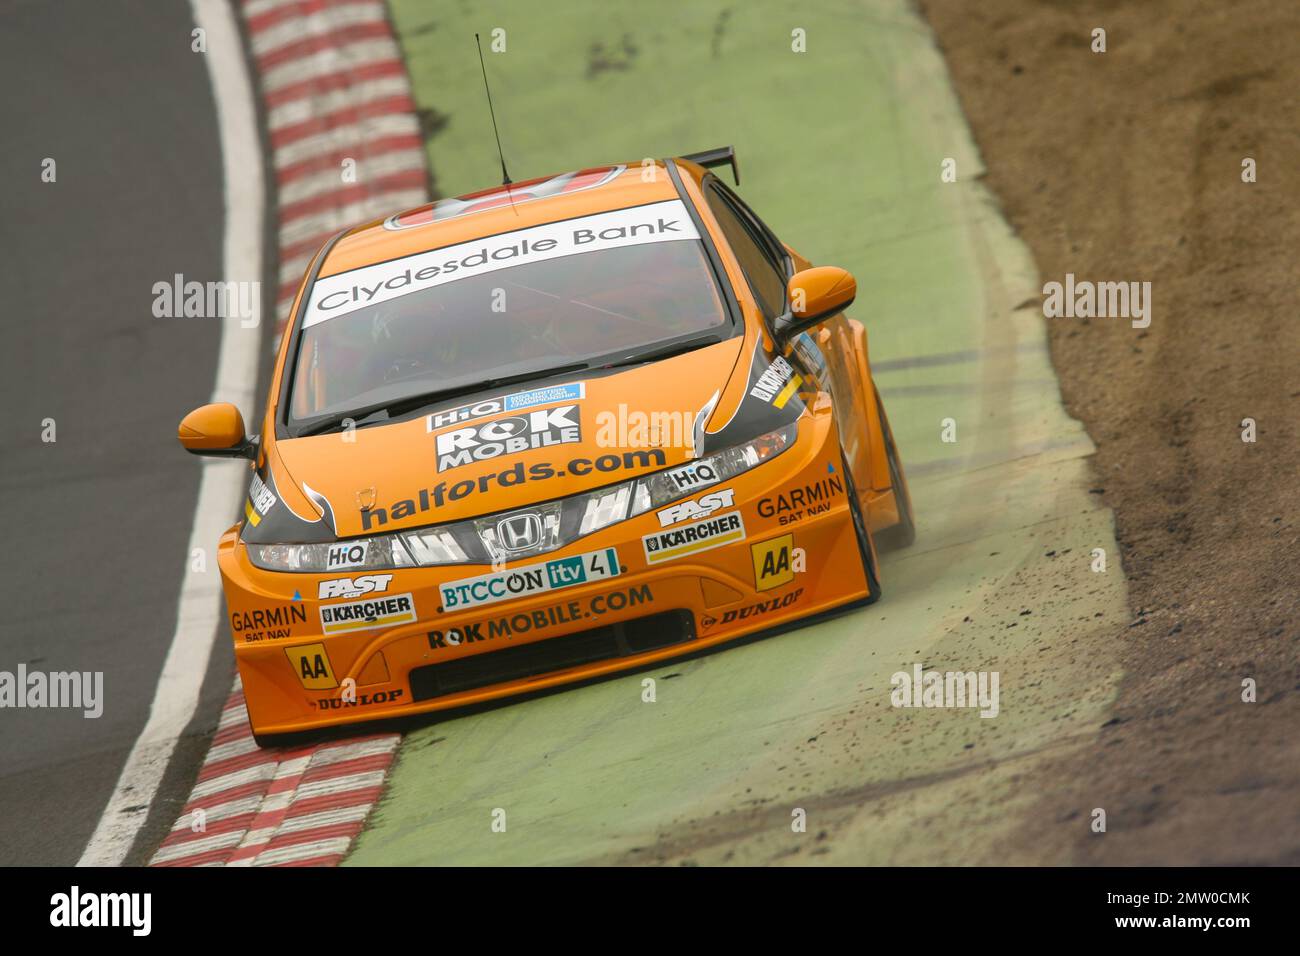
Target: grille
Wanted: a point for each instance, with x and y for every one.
(558, 653)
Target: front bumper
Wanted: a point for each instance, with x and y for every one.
(405, 651)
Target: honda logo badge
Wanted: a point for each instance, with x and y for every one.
(519, 532)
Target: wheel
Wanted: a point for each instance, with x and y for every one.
(863, 535)
(904, 533)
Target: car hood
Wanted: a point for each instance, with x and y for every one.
(503, 449)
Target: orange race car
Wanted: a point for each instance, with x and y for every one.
(545, 432)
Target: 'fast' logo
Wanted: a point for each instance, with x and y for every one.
(354, 587)
(700, 507)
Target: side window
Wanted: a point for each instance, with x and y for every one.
(766, 278)
(757, 228)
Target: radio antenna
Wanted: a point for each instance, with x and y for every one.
(505, 176)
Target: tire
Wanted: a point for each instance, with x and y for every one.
(902, 534)
(863, 536)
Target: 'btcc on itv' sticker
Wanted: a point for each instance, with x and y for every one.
(346, 292)
(516, 402)
(693, 538)
(367, 615)
(518, 623)
(530, 579)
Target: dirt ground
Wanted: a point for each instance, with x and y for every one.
(1127, 166)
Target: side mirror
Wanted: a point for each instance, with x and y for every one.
(216, 430)
(815, 295)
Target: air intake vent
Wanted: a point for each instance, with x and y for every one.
(556, 654)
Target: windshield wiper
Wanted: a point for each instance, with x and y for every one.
(667, 351)
(391, 408)
(409, 403)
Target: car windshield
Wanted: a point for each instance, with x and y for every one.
(503, 321)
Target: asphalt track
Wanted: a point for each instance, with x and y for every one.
(97, 522)
(841, 150)
(736, 740)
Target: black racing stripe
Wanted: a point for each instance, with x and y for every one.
(755, 416)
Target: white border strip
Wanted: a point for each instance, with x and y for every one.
(199, 605)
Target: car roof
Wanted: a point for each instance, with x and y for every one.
(499, 209)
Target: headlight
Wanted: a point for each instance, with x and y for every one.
(603, 508)
(528, 531)
(434, 546)
(665, 487)
(620, 502)
(385, 551)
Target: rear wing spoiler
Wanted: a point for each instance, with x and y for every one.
(712, 158)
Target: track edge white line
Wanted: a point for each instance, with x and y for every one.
(198, 607)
